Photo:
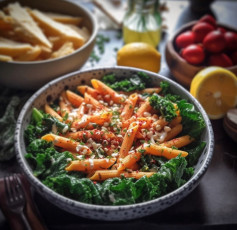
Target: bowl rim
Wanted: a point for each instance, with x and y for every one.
(170, 44)
(91, 39)
(63, 199)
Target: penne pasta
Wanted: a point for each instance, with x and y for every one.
(178, 142)
(150, 90)
(129, 161)
(53, 113)
(163, 151)
(95, 134)
(90, 164)
(173, 132)
(65, 105)
(128, 139)
(129, 106)
(105, 90)
(102, 175)
(144, 108)
(74, 99)
(105, 134)
(66, 143)
(87, 89)
(92, 101)
(175, 121)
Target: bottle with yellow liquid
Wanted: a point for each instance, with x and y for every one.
(142, 22)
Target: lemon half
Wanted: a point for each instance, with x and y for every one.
(216, 89)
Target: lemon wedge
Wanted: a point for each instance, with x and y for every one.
(140, 55)
(216, 89)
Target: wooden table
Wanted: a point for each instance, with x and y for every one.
(213, 203)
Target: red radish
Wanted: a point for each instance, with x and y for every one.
(234, 57)
(214, 42)
(231, 40)
(209, 19)
(184, 39)
(201, 29)
(219, 60)
(194, 54)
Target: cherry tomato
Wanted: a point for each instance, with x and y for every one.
(201, 29)
(209, 19)
(184, 39)
(231, 40)
(214, 42)
(234, 57)
(221, 29)
(193, 54)
(219, 60)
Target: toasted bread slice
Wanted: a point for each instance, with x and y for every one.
(5, 58)
(65, 19)
(30, 55)
(12, 48)
(5, 22)
(53, 28)
(25, 27)
(84, 32)
(65, 49)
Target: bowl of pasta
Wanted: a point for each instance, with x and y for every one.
(113, 143)
(41, 40)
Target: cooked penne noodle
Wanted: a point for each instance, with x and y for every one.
(98, 119)
(144, 108)
(95, 134)
(129, 107)
(87, 89)
(66, 143)
(163, 151)
(65, 105)
(128, 161)
(175, 121)
(90, 164)
(150, 90)
(178, 142)
(52, 112)
(81, 110)
(101, 175)
(92, 101)
(128, 139)
(74, 99)
(174, 132)
(105, 90)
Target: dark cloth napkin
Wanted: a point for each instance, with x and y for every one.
(30, 211)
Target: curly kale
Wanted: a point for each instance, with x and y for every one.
(42, 123)
(164, 106)
(135, 82)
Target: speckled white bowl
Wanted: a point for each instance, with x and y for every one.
(34, 74)
(102, 212)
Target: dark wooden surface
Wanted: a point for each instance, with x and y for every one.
(212, 205)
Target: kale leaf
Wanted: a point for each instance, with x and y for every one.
(194, 151)
(164, 106)
(72, 186)
(192, 120)
(138, 81)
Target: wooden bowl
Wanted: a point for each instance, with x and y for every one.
(180, 68)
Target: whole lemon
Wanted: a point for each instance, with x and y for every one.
(140, 55)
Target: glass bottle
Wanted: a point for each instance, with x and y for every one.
(142, 22)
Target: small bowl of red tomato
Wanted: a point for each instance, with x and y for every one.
(200, 44)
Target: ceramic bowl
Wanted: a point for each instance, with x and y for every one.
(34, 74)
(110, 213)
(181, 69)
